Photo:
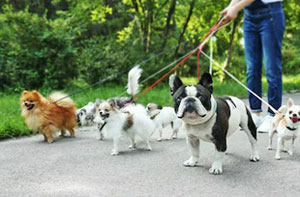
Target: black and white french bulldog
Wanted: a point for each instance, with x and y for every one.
(210, 119)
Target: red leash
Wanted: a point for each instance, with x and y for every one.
(218, 25)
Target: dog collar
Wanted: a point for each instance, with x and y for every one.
(215, 111)
(290, 128)
(154, 116)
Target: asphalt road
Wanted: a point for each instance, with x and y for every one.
(83, 166)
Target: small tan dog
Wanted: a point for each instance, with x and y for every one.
(287, 127)
(47, 118)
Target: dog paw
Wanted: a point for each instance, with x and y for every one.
(114, 152)
(132, 146)
(191, 162)
(284, 150)
(269, 148)
(159, 139)
(254, 157)
(290, 152)
(50, 141)
(216, 169)
(277, 157)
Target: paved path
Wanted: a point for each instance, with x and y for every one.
(82, 166)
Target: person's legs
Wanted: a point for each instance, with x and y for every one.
(253, 55)
(272, 31)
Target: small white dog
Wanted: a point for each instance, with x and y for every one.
(287, 127)
(162, 117)
(129, 120)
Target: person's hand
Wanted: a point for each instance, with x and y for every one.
(230, 13)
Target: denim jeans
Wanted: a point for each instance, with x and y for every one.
(263, 33)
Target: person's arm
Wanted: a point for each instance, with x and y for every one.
(234, 7)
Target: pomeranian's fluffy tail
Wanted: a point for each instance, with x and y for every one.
(66, 102)
(133, 81)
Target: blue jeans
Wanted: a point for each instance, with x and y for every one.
(263, 33)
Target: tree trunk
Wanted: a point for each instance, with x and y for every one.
(230, 48)
(184, 28)
(170, 14)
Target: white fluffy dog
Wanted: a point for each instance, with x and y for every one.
(130, 120)
(162, 117)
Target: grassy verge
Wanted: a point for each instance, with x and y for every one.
(12, 124)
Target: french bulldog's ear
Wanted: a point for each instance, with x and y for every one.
(207, 82)
(290, 102)
(175, 83)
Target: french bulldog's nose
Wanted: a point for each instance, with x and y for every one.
(294, 115)
(190, 100)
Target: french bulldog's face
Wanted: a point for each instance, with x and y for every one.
(293, 112)
(192, 103)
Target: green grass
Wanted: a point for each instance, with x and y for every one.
(12, 124)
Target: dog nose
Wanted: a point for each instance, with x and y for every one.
(295, 115)
(190, 100)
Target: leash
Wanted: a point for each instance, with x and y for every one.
(115, 75)
(217, 26)
(240, 83)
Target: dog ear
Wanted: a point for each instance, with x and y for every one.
(290, 102)
(112, 103)
(24, 92)
(175, 83)
(207, 82)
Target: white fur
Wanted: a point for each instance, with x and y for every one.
(142, 125)
(165, 117)
(133, 78)
(84, 112)
(203, 131)
(283, 133)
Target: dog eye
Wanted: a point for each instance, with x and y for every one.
(30, 101)
(290, 112)
(299, 113)
(106, 110)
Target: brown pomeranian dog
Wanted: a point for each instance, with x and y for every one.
(45, 117)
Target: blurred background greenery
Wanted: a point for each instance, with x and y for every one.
(57, 44)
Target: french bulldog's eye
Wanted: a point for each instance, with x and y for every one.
(106, 110)
(30, 101)
(290, 112)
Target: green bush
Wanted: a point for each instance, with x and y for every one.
(34, 52)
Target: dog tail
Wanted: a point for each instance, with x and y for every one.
(65, 103)
(133, 80)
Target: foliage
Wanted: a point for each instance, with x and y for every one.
(34, 52)
(52, 43)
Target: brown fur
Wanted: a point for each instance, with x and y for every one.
(47, 118)
(129, 122)
(278, 117)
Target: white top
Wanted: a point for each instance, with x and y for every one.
(270, 1)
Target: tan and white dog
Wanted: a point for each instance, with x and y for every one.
(287, 127)
(162, 117)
